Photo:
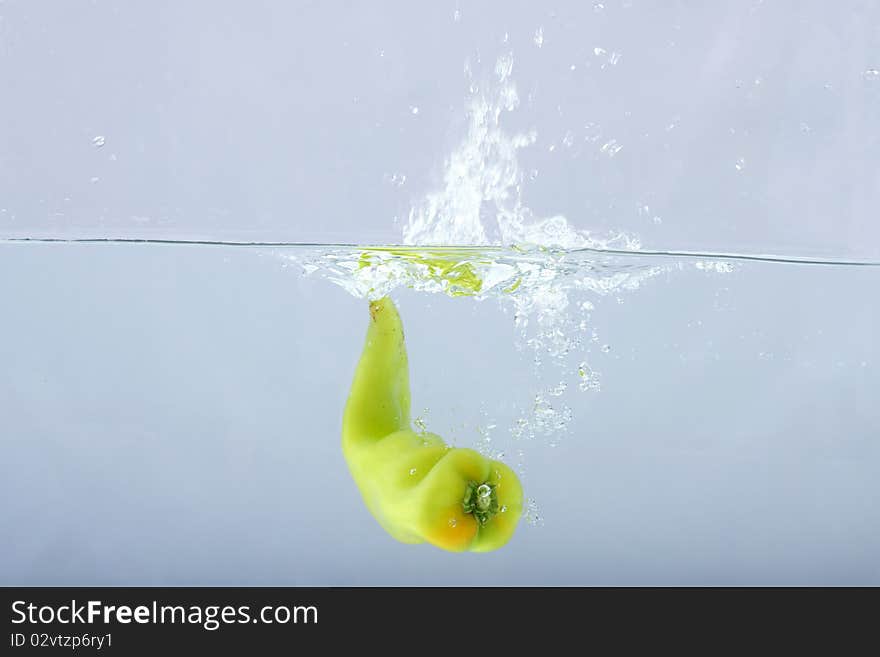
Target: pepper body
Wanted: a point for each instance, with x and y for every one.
(416, 486)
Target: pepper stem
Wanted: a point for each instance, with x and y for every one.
(481, 501)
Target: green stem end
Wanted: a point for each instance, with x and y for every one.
(481, 501)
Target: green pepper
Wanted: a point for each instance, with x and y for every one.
(416, 486)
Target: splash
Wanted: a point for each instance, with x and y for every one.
(480, 202)
(552, 294)
(475, 236)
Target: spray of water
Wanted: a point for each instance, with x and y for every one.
(480, 201)
(475, 236)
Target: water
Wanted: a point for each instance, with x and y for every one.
(171, 410)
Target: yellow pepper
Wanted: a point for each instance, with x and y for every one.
(417, 487)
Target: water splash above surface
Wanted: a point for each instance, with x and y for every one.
(480, 201)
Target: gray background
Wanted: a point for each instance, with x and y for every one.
(171, 415)
(285, 120)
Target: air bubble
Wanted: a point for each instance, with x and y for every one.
(539, 37)
(98, 141)
(589, 378)
(412, 471)
(420, 424)
(532, 514)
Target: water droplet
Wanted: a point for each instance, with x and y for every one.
(657, 220)
(94, 179)
(412, 471)
(572, 67)
(503, 508)
(396, 179)
(484, 491)
(871, 74)
(539, 37)
(611, 148)
(453, 522)
(456, 15)
(414, 109)
(98, 141)
(599, 52)
(740, 164)
(606, 348)
(805, 128)
(598, 7)
(587, 305)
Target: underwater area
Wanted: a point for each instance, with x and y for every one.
(635, 252)
(173, 415)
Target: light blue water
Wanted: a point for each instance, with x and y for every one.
(171, 413)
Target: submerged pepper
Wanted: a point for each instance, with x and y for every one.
(417, 487)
